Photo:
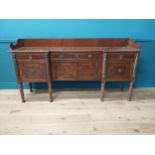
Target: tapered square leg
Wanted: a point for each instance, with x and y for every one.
(133, 77)
(21, 91)
(50, 91)
(30, 86)
(102, 91)
(130, 90)
(49, 76)
(103, 80)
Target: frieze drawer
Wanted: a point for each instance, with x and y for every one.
(26, 56)
(121, 56)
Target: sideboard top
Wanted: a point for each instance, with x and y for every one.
(75, 45)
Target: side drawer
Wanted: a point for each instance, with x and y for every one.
(29, 56)
(121, 56)
(63, 56)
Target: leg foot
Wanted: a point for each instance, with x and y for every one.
(21, 91)
(102, 91)
(130, 90)
(50, 91)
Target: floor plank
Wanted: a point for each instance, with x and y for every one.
(77, 112)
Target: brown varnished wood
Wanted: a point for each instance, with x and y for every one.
(103, 75)
(20, 84)
(64, 70)
(31, 71)
(47, 60)
(21, 91)
(76, 66)
(118, 72)
(133, 76)
(111, 42)
(88, 70)
(49, 79)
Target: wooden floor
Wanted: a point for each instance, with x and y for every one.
(77, 112)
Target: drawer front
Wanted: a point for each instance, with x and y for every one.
(64, 70)
(89, 55)
(29, 56)
(75, 56)
(118, 72)
(121, 56)
(32, 71)
(63, 56)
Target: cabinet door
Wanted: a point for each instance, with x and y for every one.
(32, 68)
(88, 70)
(89, 66)
(118, 72)
(64, 70)
(119, 66)
(32, 71)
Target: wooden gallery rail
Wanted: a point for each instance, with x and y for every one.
(47, 60)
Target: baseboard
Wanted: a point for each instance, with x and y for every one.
(71, 84)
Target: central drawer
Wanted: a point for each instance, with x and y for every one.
(88, 55)
(62, 56)
(75, 55)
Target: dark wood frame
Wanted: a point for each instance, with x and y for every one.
(107, 47)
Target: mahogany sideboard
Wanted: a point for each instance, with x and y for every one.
(47, 60)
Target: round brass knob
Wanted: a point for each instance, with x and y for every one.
(61, 55)
(121, 56)
(30, 57)
(89, 55)
(119, 70)
(32, 71)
